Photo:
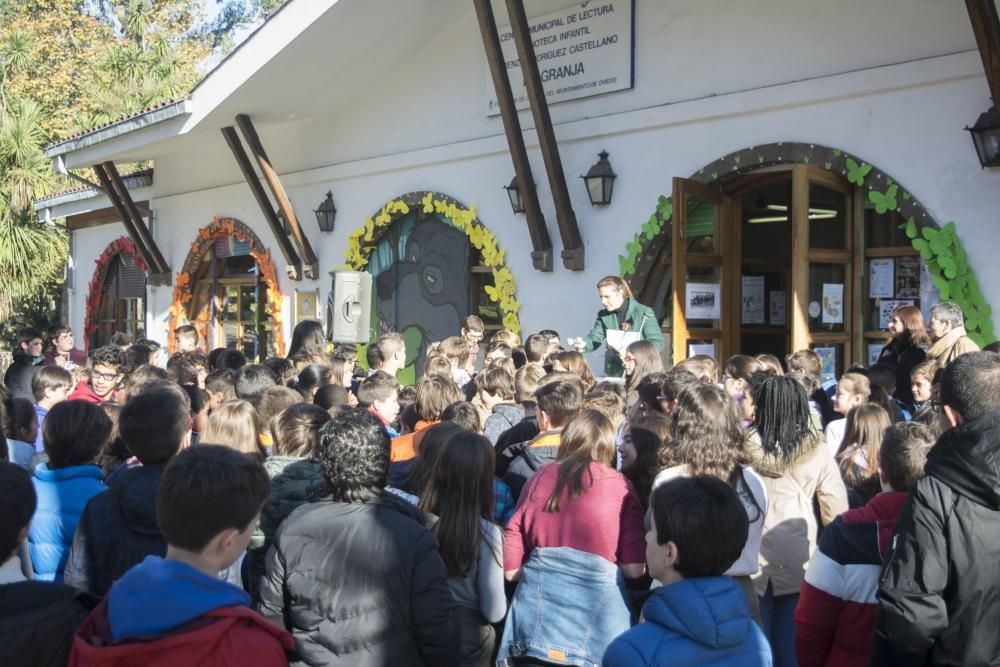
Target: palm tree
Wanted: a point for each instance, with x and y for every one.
(32, 256)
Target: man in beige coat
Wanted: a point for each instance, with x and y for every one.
(947, 329)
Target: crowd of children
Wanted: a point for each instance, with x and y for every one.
(509, 508)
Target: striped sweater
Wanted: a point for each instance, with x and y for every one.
(835, 617)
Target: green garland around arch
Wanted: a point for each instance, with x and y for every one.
(940, 248)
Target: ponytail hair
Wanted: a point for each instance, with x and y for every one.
(618, 282)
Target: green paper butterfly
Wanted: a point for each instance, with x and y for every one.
(884, 201)
(856, 172)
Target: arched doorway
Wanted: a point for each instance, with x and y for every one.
(229, 291)
(433, 262)
(785, 246)
(766, 264)
(116, 301)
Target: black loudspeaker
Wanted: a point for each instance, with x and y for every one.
(349, 307)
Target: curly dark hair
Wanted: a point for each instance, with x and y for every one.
(353, 450)
(109, 355)
(706, 432)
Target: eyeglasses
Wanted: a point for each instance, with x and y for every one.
(107, 377)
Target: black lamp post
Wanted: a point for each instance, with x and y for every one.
(986, 137)
(600, 181)
(326, 213)
(516, 198)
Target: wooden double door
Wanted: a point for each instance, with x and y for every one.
(766, 265)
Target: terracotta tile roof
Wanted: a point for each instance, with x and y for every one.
(120, 119)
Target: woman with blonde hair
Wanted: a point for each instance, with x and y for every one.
(620, 312)
(235, 424)
(707, 437)
(853, 389)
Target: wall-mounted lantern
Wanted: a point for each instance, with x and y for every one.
(986, 137)
(326, 213)
(600, 181)
(516, 198)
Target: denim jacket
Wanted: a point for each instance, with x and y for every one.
(568, 607)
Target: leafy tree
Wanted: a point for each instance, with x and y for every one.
(236, 14)
(70, 65)
(155, 58)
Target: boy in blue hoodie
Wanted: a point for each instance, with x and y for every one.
(698, 616)
(176, 610)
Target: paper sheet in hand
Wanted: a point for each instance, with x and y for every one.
(619, 340)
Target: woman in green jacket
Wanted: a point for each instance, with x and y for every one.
(621, 312)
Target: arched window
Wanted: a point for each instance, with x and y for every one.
(123, 300)
(229, 294)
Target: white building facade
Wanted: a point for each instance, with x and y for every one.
(373, 99)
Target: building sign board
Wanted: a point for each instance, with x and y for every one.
(583, 50)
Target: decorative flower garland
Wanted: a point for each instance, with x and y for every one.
(224, 228)
(362, 241)
(96, 288)
(940, 248)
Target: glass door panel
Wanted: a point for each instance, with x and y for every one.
(765, 260)
(701, 304)
(828, 218)
(702, 227)
(826, 297)
(823, 267)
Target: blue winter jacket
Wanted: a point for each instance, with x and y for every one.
(702, 621)
(62, 495)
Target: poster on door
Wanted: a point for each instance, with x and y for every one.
(907, 277)
(881, 278)
(753, 300)
(703, 301)
(828, 362)
(833, 303)
(777, 307)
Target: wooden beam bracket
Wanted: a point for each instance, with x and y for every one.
(541, 255)
(293, 265)
(310, 262)
(569, 230)
(986, 26)
(114, 187)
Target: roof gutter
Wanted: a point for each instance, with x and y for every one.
(124, 126)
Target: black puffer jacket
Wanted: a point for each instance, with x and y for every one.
(294, 482)
(902, 358)
(120, 526)
(37, 622)
(939, 598)
(20, 374)
(361, 584)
